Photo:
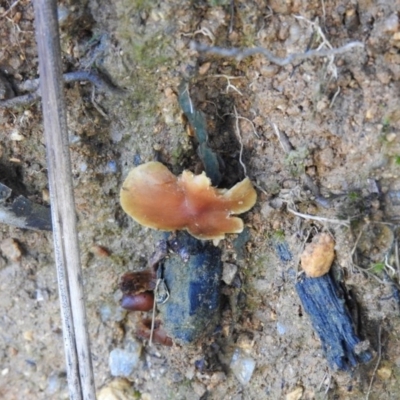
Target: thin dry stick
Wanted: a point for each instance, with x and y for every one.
(245, 119)
(153, 315)
(66, 246)
(10, 9)
(283, 139)
(334, 97)
(239, 54)
(323, 10)
(377, 363)
(228, 78)
(325, 42)
(321, 219)
(32, 85)
(240, 141)
(353, 250)
(252, 124)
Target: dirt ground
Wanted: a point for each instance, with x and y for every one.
(339, 125)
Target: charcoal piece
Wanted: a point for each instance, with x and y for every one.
(193, 308)
(23, 213)
(324, 303)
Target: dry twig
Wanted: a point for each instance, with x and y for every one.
(245, 119)
(33, 85)
(239, 136)
(239, 54)
(283, 139)
(324, 43)
(65, 238)
(228, 78)
(377, 363)
(10, 9)
(344, 222)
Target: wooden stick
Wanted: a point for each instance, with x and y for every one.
(66, 248)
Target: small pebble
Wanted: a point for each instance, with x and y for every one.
(228, 273)
(11, 249)
(28, 336)
(46, 195)
(16, 136)
(281, 328)
(118, 389)
(217, 378)
(369, 114)
(317, 257)
(111, 312)
(242, 366)
(295, 394)
(390, 137)
(123, 362)
(199, 388)
(42, 295)
(244, 342)
(83, 167)
(204, 68)
(384, 373)
(111, 167)
(391, 23)
(54, 383)
(62, 14)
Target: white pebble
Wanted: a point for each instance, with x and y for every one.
(124, 361)
(242, 366)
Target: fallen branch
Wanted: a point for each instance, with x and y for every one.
(33, 86)
(239, 54)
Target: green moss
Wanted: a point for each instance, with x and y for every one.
(378, 268)
(386, 124)
(354, 196)
(295, 161)
(150, 53)
(178, 153)
(279, 235)
(218, 3)
(143, 5)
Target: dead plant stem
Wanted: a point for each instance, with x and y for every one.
(65, 237)
(240, 54)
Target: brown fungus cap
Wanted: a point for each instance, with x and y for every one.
(156, 198)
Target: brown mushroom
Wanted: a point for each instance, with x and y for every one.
(156, 198)
(159, 334)
(138, 302)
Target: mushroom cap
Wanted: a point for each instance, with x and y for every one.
(156, 198)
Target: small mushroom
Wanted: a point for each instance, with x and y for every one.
(317, 257)
(159, 334)
(138, 302)
(156, 198)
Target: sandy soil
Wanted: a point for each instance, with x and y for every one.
(340, 117)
